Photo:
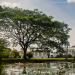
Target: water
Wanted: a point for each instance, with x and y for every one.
(54, 68)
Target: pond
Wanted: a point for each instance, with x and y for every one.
(53, 68)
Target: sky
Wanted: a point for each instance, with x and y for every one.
(61, 10)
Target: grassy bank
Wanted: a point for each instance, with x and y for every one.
(52, 59)
(38, 60)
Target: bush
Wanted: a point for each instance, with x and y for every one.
(59, 56)
(64, 56)
(29, 55)
(69, 56)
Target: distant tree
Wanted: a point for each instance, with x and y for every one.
(14, 54)
(3, 45)
(1, 9)
(33, 27)
(6, 53)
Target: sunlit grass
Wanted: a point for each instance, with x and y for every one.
(38, 60)
(52, 59)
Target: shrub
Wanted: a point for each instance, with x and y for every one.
(29, 55)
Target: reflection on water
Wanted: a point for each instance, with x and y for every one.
(59, 68)
(2, 72)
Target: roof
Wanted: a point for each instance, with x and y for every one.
(41, 51)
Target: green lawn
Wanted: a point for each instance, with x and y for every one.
(52, 59)
(38, 60)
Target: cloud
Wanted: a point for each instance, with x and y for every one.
(26, 4)
(8, 4)
(71, 1)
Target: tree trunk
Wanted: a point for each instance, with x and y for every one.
(25, 50)
(48, 54)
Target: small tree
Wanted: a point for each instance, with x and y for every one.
(6, 53)
(3, 45)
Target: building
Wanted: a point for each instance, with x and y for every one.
(43, 53)
(71, 51)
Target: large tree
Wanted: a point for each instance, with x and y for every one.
(33, 27)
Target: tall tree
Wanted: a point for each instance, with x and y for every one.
(33, 27)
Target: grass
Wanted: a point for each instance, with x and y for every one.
(57, 59)
(51, 59)
(38, 60)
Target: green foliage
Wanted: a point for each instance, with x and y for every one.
(6, 53)
(3, 45)
(67, 56)
(29, 55)
(1, 9)
(14, 54)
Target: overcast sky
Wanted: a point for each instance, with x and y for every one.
(63, 10)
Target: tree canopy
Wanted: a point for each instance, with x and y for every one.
(28, 27)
